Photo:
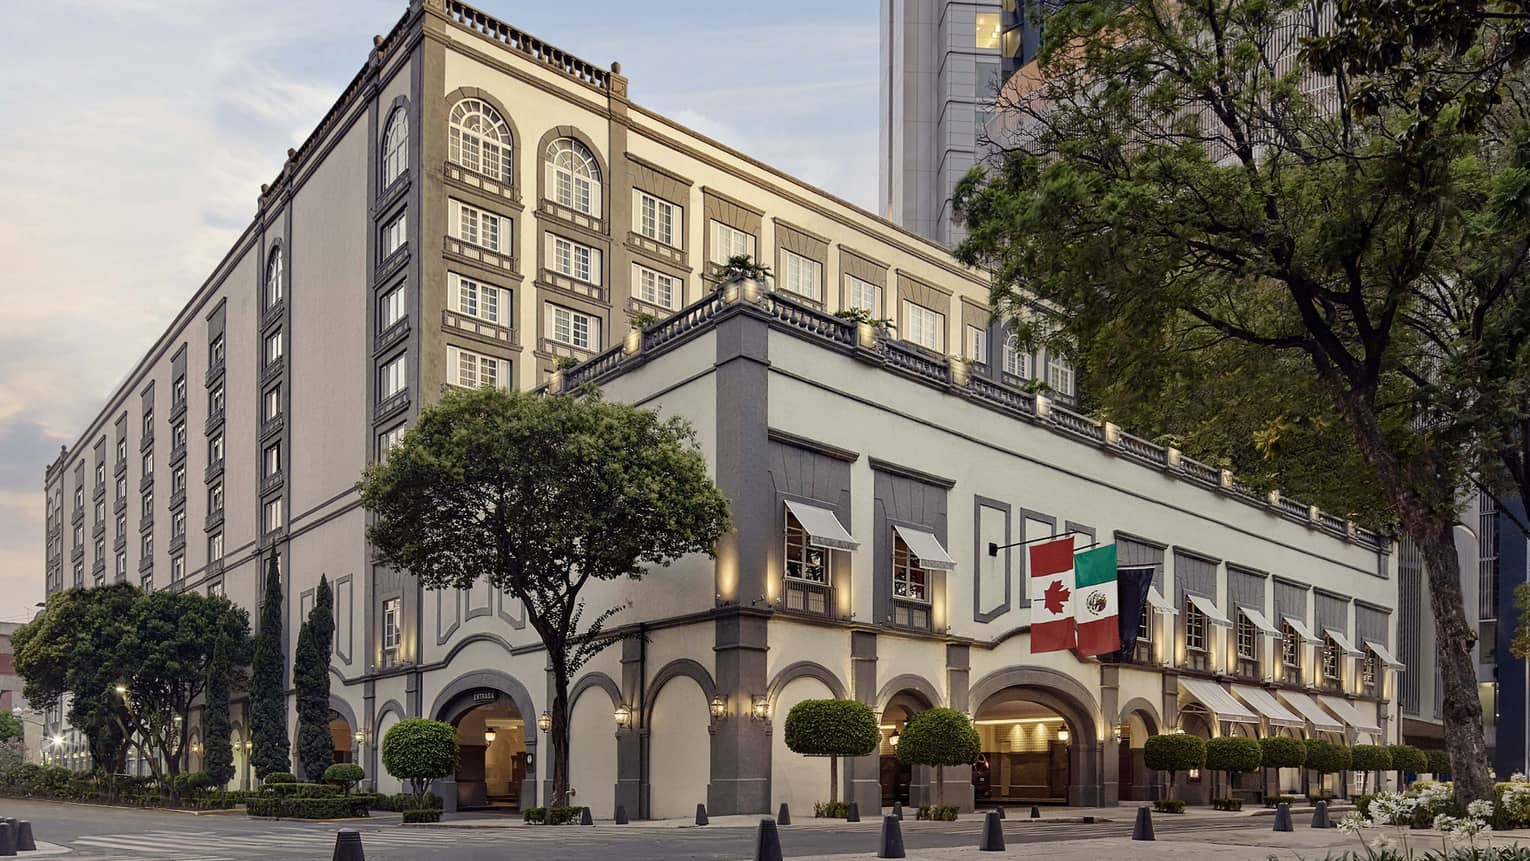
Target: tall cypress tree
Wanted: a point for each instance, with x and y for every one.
(268, 694)
(310, 676)
(219, 760)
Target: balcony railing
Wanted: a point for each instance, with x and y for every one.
(808, 597)
(911, 614)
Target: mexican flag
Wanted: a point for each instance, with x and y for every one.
(1051, 593)
(1097, 606)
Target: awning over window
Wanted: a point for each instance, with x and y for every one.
(1351, 715)
(1260, 621)
(1159, 603)
(823, 526)
(1388, 660)
(1266, 704)
(1302, 630)
(1212, 611)
(926, 547)
(1343, 640)
(1311, 712)
(1216, 698)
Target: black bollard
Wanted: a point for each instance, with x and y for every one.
(348, 845)
(892, 839)
(767, 843)
(898, 810)
(7, 839)
(1283, 817)
(1035, 812)
(621, 815)
(24, 841)
(854, 813)
(999, 810)
(1320, 816)
(993, 833)
(701, 814)
(784, 816)
(1143, 828)
(585, 818)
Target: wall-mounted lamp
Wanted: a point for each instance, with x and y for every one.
(120, 689)
(361, 736)
(489, 735)
(1063, 735)
(1122, 731)
(893, 739)
(623, 716)
(544, 722)
(719, 707)
(760, 709)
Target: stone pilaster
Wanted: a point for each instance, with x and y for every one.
(863, 774)
(741, 743)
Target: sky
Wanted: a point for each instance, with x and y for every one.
(136, 135)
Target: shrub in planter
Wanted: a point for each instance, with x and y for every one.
(191, 783)
(429, 814)
(345, 775)
(291, 807)
(936, 812)
(302, 790)
(567, 815)
(1169, 805)
(1277, 800)
(939, 737)
(831, 809)
(419, 751)
(1367, 758)
(1174, 753)
(1227, 803)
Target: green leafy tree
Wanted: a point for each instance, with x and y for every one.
(11, 727)
(346, 774)
(310, 677)
(939, 737)
(1438, 762)
(1406, 758)
(1233, 754)
(419, 751)
(1277, 752)
(1325, 757)
(218, 758)
(1175, 205)
(1366, 758)
(268, 691)
(1173, 753)
(832, 728)
(541, 496)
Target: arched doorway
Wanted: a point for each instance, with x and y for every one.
(342, 737)
(1135, 780)
(384, 782)
(798, 780)
(900, 783)
(1193, 785)
(241, 759)
(1041, 737)
(592, 755)
(679, 748)
(492, 760)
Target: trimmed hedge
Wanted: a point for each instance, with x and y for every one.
(302, 790)
(832, 728)
(1437, 762)
(1277, 800)
(552, 815)
(1406, 757)
(1233, 754)
(1227, 804)
(292, 807)
(345, 775)
(936, 812)
(1325, 757)
(1169, 805)
(831, 809)
(280, 777)
(1370, 757)
(429, 814)
(402, 801)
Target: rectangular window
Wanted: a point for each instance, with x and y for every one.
(910, 582)
(1195, 628)
(273, 515)
(178, 391)
(146, 545)
(803, 560)
(1059, 375)
(121, 564)
(273, 402)
(215, 450)
(390, 309)
(989, 27)
(274, 346)
(215, 498)
(178, 435)
(860, 293)
(100, 550)
(147, 463)
(121, 450)
(121, 525)
(177, 570)
(476, 299)
(100, 512)
(1291, 648)
(215, 401)
(273, 459)
(392, 631)
(470, 370)
(148, 424)
(389, 440)
(574, 260)
(801, 275)
(147, 509)
(977, 345)
(178, 524)
(1016, 362)
(729, 241)
(1248, 639)
(924, 327)
(395, 233)
(478, 227)
(658, 219)
(656, 288)
(215, 590)
(575, 328)
(178, 479)
(390, 379)
(1331, 659)
(215, 546)
(215, 352)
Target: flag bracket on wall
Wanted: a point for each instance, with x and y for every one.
(993, 549)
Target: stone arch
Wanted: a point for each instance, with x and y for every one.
(1068, 698)
(593, 760)
(1134, 780)
(470, 639)
(390, 707)
(1144, 709)
(457, 95)
(596, 680)
(343, 708)
(677, 736)
(456, 700)
(904, 684)
(677, 667)
(801, 669)
(574, 133)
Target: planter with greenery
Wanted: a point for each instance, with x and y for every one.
(939, 737)
(420, 750)
(832, 728)
(1173, 753)
(564, 815)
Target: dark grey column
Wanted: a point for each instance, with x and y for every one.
(863, 775)
(958, 778)
(1110, 710)
(740, 744)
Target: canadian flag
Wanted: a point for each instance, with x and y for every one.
(1052, 596)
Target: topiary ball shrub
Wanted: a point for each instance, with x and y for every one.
(345, 775)
(280, 777)
(1280, 752)
(1233, 754)
(419, 751)
(939, 737)
(1174, 753)
(1326, 757)
(832, 728)
(1370, 757)
(1406, 757)
(1437, 762)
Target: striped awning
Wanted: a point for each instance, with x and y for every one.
(1259, 621)
(1266, 704)
(1388, 659)
(1343, 640)
(1302, 630)
(1311, 712)
(1209, 607)
(926, 548)
(1350, 714)
(822, 526)
(1159, 603)
(1217, 700)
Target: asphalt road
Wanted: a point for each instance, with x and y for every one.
(116, 834)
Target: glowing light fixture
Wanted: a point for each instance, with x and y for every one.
(761, 708)
(719, 707)
(544, 722)
(1063, 735)
(623, 716)
(489, 735)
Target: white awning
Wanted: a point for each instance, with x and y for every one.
(1266, 704)
(1260, 621)
(1387, 658)
(1310, 711)
(1351, 715)
(1343, 640)
(926, 547)
(1216, 698)
(1159, 603)
(822, 525)
(1210, 609)
(1302, 630)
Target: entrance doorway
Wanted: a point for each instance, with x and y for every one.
(492, 758)
(341, 738)
(897, 778)
(1025, 758)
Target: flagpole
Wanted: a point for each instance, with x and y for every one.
(993, 549)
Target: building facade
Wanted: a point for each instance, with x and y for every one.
(481, 208)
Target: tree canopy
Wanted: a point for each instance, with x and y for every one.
(1253, 242)
(271, 751)
(832, 728)
(541, 495)
(420, 750)
(310, 678)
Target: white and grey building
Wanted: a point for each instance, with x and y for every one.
(479, 204)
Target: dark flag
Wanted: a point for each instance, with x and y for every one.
(1132, 586)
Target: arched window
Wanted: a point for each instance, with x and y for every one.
(480, 140)
(573, 176)
(395, 150)
(274, 289)
(1017, 363)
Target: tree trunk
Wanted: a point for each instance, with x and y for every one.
(559, 735)
(833, 779)
(940, 786)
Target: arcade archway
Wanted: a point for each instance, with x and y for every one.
(1041, 739)
(493, 764)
